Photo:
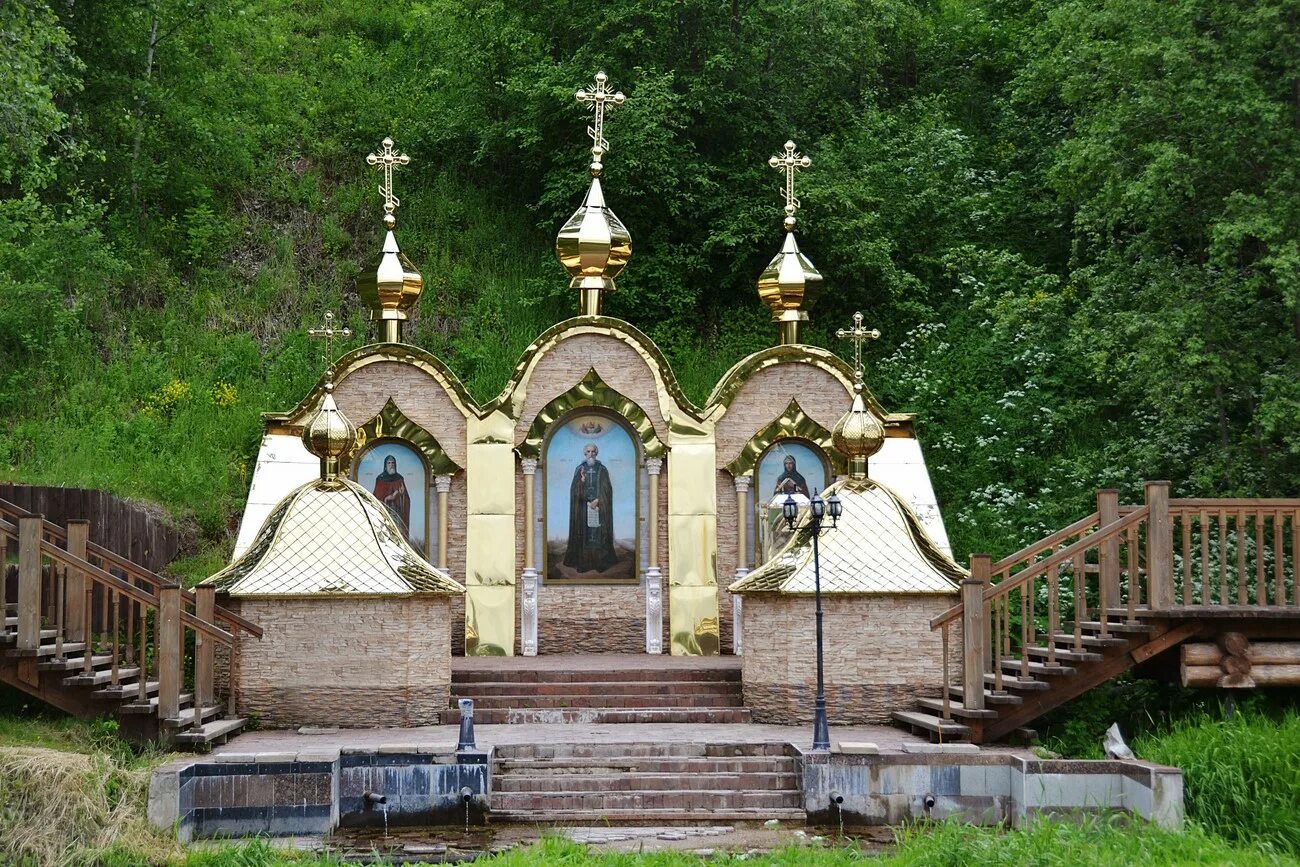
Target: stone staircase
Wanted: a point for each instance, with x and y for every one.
(646, 783)
(540, 690)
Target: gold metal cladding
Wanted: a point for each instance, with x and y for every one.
(790, 283)
(489, 621)
(859, 434)
(597, 100)
(794, 423)
(592, 392)
(789, 162)
(392, 287)
(391, 423)
(693, 620)
(594, 247)
(878, 546)
(331, 538)
(386, 160)
(329, 435)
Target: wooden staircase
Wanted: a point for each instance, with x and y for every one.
(1107, 593)
(93, 634)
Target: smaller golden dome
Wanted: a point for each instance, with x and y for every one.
(858, 434)
(593, 246)
(790, 283)
(391, 288)
(329, 435)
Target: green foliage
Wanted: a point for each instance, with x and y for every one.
(1075, 222)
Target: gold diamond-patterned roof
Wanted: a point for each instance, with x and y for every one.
(879, 546)
(331, 538)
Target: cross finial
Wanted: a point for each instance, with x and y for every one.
(329, 332)
(858, 335)
(386, 159)
(596, 99)
(790, 162)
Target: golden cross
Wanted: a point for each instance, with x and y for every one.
(791, 161)
(386, 159)
(858, 335)
(328, 331)
(596, 100)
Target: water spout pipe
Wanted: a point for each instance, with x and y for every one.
(928, 802)
(373, 800)
(466, 794)
(466, 741)
(837, 799)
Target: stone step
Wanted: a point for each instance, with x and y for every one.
(617, 674)
(792, 817)
(990, 697)
(482, 703)
(485, 689)
(648, 765)
(600, 802)
(215, 732)
(636, 751)
(601, 715)
(951, 731)
(642, 782)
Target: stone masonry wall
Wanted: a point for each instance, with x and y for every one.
(346, 662)
(880, 654)
(424, 401)
(766, 394)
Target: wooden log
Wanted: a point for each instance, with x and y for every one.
(975, 631)
(29, 583)
(1259, 653)
(1235, 665)
(1260, 675)
(1160, 547)
(78, 535)
(171, 653)
(1234, 643)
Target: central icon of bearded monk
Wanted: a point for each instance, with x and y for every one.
(591, 515)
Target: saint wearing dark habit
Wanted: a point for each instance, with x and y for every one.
(791, 481)
(591, 516)
(390, 489)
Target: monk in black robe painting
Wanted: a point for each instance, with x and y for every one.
(390, 489)
(791, 481)
(591, 516)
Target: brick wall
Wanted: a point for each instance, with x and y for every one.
(363, 394)
(880, 654)
(346, 662)
(766, 394)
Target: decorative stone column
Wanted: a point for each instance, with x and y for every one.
(654, 602)
(528, 597)
(442, 484)
(742, 555)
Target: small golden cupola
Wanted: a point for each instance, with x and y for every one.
(790, 283)
(593, 245)
(858, 434)
(329, 435)
(391, 288)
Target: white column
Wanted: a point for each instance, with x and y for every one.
(742, 555)
(528, 599)
(654, 602)
(442, 484)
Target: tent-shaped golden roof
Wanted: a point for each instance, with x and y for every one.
(879, 546)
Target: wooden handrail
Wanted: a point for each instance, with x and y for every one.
(1042, 544)
(134, 570)
(1025, 575)
(1231, 503)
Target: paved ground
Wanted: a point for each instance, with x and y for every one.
(888, 738)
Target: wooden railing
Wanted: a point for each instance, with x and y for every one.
(117, 615)
(1022, 614)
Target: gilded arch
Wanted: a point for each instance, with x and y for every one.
(794, 423)
(592, 392)
(392, 423)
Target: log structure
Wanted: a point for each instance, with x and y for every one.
(1236, 663)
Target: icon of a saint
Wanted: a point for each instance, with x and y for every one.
(390, 489)
(591, 515)
(791, 481)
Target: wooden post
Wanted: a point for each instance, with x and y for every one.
(1160, 547)
(171, 653)
(78, 536)
(205, 605)
(975, 631)
(1108, 551)
(29, 582)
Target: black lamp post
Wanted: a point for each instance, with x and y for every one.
(818, 509)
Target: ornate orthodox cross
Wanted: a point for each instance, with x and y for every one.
(790, 162)
(597, 99)
(858, 335)
(386, 160)
(328, 332)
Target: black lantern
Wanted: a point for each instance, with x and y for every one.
(818, 507)
(835, 507)
(790, 510)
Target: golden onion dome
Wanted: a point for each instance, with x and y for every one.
(593, 245)
(790, 283)
(329, 435)
(391, 288)
(858, 434)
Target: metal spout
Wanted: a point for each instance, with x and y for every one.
(837, 798)
(466, 741)
(466, 794)
(373, 800)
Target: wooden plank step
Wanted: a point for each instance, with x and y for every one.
(186, 718)
(1036, 669)
(1091, 640)
(990, 697)
(45, 650)
(1025, 684)
(151, 706)
(125, 691)
(1120, 626)
(1066, 655)
(99, 678)
(956, 708)
(211, 732)
(75, 663)
(950, 730)
(11, 636)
